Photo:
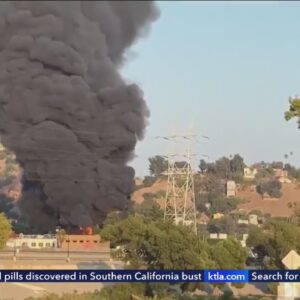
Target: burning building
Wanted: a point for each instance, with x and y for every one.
(65, 110)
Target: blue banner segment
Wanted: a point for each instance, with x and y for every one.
(274, 276)
(222, 276)
(171, 276)
(101, 276)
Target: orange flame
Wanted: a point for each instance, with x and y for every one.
(88, 230)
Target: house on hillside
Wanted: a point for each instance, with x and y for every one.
(243, 221)
(218, 236)
(253, 219)
(249, 173)
(203, 219)
(281, 175)
(218, 216)
(230, 188)
(244, 240)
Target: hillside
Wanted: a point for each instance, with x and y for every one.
(138, 195)
(275, 207)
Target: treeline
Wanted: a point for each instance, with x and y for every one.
(213, 175)
(145, 240)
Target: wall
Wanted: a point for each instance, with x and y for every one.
(32, 242)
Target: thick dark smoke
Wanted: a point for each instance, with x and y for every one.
(65, 110)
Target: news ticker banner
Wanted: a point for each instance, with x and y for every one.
(171, 276)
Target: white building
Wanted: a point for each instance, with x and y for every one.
(253, 219)
(230, 188)
(241, 221)
(249, 173)
(218, 236)
(32, 242)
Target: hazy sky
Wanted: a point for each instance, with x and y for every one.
(226, 69)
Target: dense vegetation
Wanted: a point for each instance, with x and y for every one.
(270, 187)
(274, 241)
(5, 230)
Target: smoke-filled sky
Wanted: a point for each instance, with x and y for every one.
(226, 69)
(65, 110)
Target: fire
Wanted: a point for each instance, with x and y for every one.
(88, 230)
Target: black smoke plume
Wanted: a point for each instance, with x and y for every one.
(65, 110)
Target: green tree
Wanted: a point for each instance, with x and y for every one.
(237, 164)
(61, 236)
(277, 165)
(292, 171)
(270, 187)
(264, 172)
(275, 240)
(222, 168)
(223, 204)
(211, 184)
(157, 244)
(149, 210)
(122, 291)
(294, 110)
(218, 203)
(157, 165)
(5, 230)
(285, 237)
(226, 224)
(259, 241)
(229, 254)
(203, 166)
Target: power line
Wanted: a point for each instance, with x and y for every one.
(180, 196)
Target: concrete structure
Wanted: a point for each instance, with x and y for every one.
(213, 236)
(282, 175)
(207, 205)
(244, 239)
(84, 242)
(285, 180)
(230, 188)
(249, 173)
(241, 221)
(32, 242)
(222, 236)
(253, 219)
(243, 243)
(245, 236)
(218, 236)
(218, 216)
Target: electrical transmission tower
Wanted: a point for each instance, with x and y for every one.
(180, 196)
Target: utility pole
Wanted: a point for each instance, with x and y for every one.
(180, 195)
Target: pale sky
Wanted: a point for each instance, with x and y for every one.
(225, 69)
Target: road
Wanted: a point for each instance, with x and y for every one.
(54, 255)
(21, 291)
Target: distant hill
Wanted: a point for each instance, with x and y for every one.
(138, 195)
(274, 207)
